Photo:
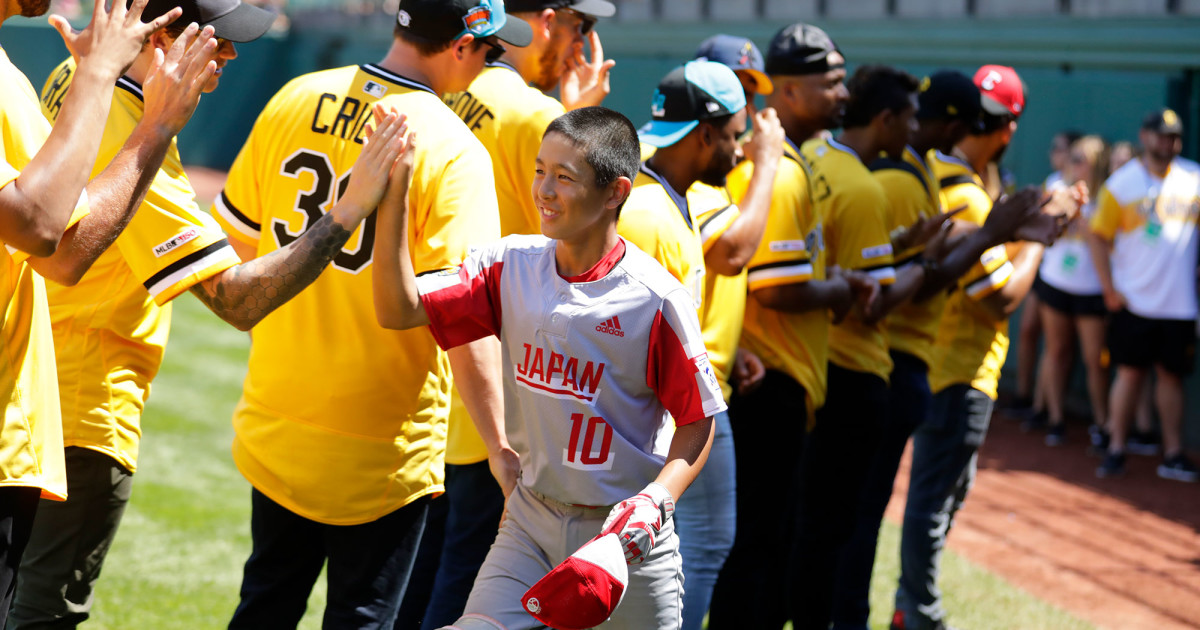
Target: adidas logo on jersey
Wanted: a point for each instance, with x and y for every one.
(612, 327)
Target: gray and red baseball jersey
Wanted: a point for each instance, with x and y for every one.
(596, 365)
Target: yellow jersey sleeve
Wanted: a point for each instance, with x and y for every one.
(993, 270)
(862, 238)
(1106, 220)
(655, 224)
(785, 253)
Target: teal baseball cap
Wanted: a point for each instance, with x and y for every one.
(698, 90)
(447, 20)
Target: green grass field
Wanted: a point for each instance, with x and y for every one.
(177, 561)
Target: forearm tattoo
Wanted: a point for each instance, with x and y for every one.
(247, 293)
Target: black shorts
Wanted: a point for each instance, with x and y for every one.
(1069, 303)
(1140, 342)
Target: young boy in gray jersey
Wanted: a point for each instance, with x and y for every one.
(602, 349)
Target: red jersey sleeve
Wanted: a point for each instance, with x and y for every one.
(463, 304)
(677, 368)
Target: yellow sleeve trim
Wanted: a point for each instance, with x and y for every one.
(990, 283)
(779, 274)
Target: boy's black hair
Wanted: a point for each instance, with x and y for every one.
(608, 140)
(426, 46)
(875, 88)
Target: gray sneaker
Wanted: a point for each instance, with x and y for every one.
(1179, 468)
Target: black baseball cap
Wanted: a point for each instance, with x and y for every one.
(801, 49)
(741, 55)
(948, 94)
(234, 20)
(447, 20)
(698, 90)
(598, 8)
(1164, 121)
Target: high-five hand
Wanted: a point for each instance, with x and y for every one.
(114, 37)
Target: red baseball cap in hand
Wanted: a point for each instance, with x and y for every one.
(584, 590)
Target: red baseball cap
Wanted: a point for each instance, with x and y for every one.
(1002, 90)
(584, 590)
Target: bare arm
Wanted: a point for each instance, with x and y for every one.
(172, 91)
(1025, 264)
(35, 209)
(397, 303)
(245, 294)
(908, 281)
(478, 377)
(687, 455)
(736, 245)
(799, 297)
(1101, 249)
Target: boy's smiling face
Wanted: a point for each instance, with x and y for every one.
(569, 203)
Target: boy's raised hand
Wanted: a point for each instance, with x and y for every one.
(371, 176)
(177, 78)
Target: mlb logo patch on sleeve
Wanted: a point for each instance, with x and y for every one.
(167, 247)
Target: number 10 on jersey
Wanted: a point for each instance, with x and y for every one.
(591, 441)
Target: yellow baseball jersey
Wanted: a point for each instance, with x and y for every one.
(663, 224)
(509, 117)
(31, 446)
(723, 305)
(971, 344)
(342, 421)
(110, 329)
(854, 209)
(792, 251)
(913, 193)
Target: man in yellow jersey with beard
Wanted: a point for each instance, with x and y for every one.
(111, 328)
(969, 350)
(55, 223)
(786, 323)
(508, 107)
(341, 427)
(698, 114)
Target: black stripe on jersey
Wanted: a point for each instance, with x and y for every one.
(954, 180)
(905, 261)
(237, 214)
(713, 217)
(777, 264)
(131, 86)
(885, 163)
(184, 262)
(392, 77)
(680, 202)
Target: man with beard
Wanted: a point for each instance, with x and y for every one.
(786, 324)
(55, 223)
(682, 214)
(1144, 248)
(968, 353)
(509, 116)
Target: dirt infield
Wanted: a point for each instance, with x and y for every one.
(1121, 553)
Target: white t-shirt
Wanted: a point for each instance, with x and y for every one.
(1152, 223)
(595, 366)
(1067, 264)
